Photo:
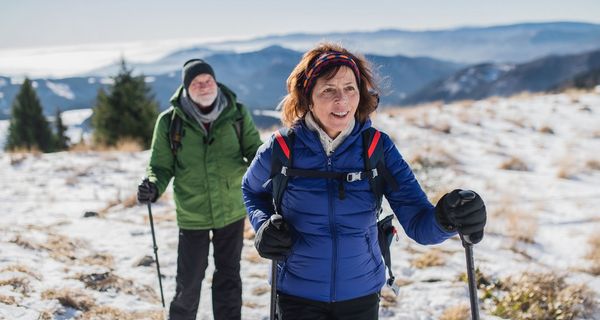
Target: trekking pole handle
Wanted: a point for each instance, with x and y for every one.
(464, 196)
(276, 220)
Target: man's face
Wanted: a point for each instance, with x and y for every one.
(203, 90)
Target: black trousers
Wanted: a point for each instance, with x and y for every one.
(192, 261)
(295, 308)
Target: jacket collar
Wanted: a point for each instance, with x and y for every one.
(231, 97)
(311, 138)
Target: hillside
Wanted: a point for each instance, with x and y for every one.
(72, 237)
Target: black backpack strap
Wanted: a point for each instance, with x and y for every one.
(373, 155)
(238, 125)
(281, 160)
(374, 159)
(175, 132)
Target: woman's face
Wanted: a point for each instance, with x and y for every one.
(335, 100)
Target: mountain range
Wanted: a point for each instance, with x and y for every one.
(412, 67)
(257, 77)
(492, 79)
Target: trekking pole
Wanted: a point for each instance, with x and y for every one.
(162, 297)
(466, 196)
(276, 220)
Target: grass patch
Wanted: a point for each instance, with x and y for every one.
(546, 129)
(21, 269)
(18, 284)
(58, 246)
(110, 313)
(521, 226)
(99, 259)
(431, 258)
(568, 168)
(70, 298)
(594, 254)
(9, 300)
(25, 243)
(79, 300)
(430, 158)
(593, 164)
(458, 312)
(514, 163)
(541, 296)
(123, 145)
(253, 256)
(481, 280)
(260, 290)
(108, 281)
(62, 248)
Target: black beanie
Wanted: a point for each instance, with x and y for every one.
(192, 68)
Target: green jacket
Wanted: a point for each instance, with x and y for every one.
(207, 176)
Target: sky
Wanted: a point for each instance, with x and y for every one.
(42, 23)
(60, 38)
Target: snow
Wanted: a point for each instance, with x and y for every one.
(61, 90)
(46, 195)
(108, 81)
(73, 119)
(3, 133)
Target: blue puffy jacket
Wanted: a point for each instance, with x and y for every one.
(335, 255)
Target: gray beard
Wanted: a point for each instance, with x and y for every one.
(193, 110)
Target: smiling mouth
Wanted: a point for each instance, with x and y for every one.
(340, 114)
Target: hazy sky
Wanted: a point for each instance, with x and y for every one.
(41, 23)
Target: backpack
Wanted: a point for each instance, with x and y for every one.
(375, 171)
(176, 131)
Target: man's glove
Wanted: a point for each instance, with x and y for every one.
(147, 192)
(463, 211)
(273, 239)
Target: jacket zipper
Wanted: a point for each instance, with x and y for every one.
(333, 231)
(205, 146)
(368, 239)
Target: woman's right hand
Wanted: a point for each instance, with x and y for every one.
(273, 239)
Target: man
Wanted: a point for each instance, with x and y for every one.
(205, 142)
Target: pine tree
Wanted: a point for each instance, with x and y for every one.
(61, 141)
(28, 127)
(126, 111)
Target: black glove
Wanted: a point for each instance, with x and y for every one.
(463, 211)
(273, 239)
(147, 192)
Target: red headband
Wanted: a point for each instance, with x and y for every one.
(324, 61)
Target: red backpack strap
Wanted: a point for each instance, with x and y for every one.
(281, 160)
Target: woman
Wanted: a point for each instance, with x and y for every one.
(330, 264)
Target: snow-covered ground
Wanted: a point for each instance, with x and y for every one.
(48, 246)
